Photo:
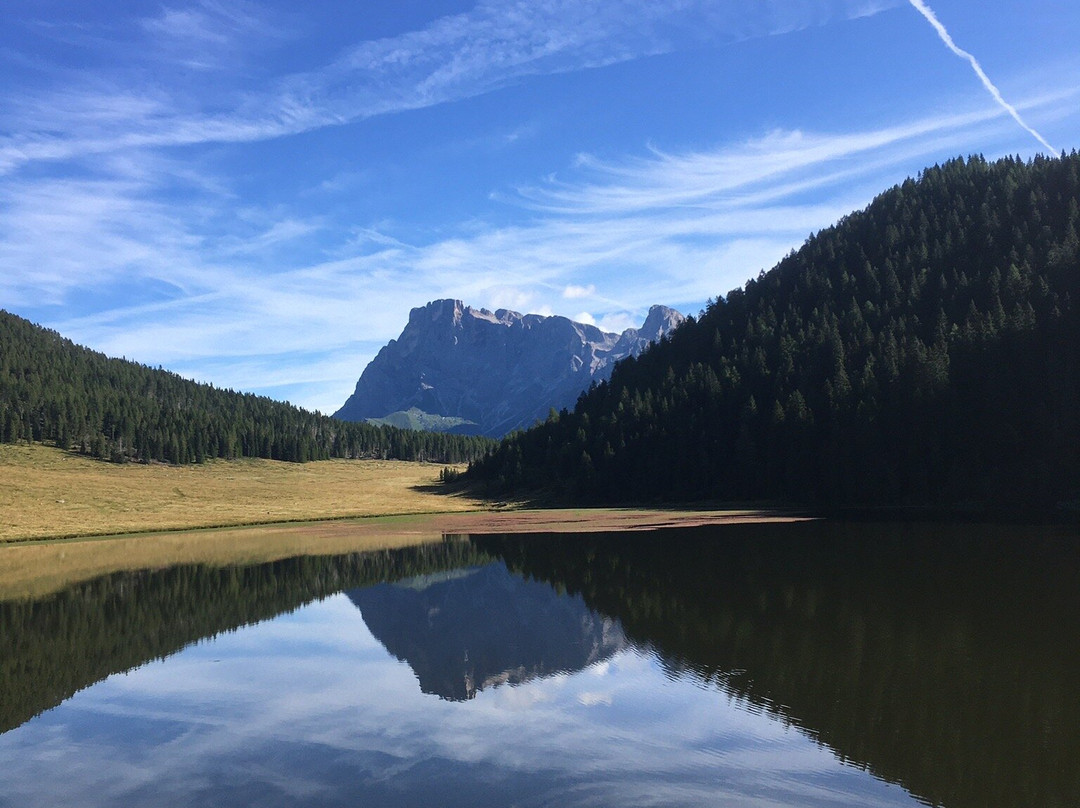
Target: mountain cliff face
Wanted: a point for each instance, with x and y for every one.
(500, 370)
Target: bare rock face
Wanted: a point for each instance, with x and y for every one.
(501, 370)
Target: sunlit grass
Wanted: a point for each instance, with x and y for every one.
(47, 493)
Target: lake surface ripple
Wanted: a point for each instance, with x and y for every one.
(806, 664)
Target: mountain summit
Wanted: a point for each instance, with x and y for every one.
(500, 370)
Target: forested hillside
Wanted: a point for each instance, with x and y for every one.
(925, 350)
(54, 390)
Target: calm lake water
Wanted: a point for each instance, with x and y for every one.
(812, 664)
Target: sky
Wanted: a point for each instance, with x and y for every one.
(255, 194)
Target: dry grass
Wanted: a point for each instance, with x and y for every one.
(46, 493)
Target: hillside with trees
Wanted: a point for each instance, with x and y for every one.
(925, 350)
(52, 390)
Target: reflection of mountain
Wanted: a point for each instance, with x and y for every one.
(53, 647)
(463, 631)
(944, 659)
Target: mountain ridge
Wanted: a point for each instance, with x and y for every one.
(501, 370)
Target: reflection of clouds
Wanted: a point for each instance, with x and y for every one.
(592, 699)
(334, 719)
(526, 698)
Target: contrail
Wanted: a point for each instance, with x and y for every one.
(931, 18)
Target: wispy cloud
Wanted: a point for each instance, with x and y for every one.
(942, 32)
(211, 22)
(186, 24)
(455, 57)
(207, 35)
(673, 228)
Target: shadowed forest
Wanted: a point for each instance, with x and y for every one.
(925, 350)
(54, 390)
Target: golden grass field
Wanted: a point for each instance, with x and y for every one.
(47, 493)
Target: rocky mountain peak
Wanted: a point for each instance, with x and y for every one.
(501, 370)
(441, 312)
(661, 321)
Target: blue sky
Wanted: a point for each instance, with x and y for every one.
(255, 194)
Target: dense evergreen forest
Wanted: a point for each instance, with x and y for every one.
(925, 350)
(113, 409)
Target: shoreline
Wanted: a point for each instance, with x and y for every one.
(36, 568)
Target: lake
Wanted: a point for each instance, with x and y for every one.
(804, 664)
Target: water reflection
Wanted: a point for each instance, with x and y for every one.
(943, 658)
(474, 628)
(765, 665)
(55, 646)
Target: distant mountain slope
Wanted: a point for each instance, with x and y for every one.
(501, 370)
(54, 390)
(924, 350)
(414, 418)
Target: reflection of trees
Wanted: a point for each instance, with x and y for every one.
(53, 647)
(944, 659)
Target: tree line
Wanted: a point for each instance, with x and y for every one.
(925, 350)
(52, 390)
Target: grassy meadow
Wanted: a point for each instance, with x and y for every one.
(48, 493)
